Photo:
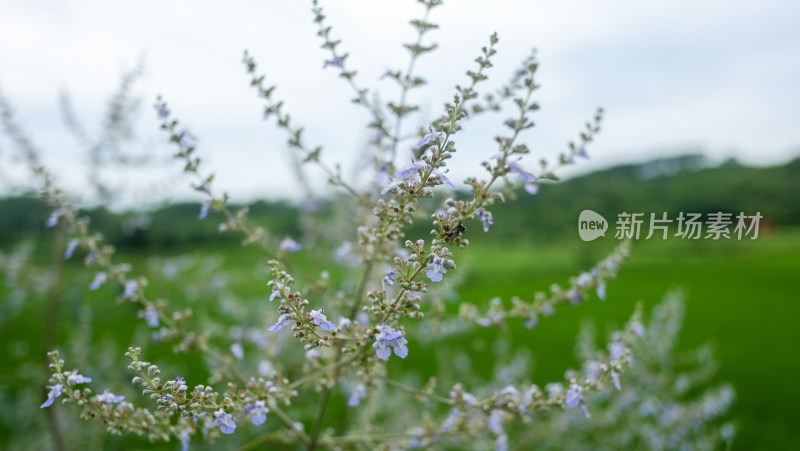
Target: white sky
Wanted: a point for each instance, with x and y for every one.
(673, 76)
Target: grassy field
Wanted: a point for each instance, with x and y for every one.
(741, 296)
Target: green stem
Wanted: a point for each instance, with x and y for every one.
(416, 391)
(321, 410)
(404, 91)
(326, 392)
(52, 326)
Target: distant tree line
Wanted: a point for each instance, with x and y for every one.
(681, 184)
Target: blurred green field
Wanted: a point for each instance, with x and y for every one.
(741, 296)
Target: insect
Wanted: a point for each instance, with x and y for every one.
(453, 233)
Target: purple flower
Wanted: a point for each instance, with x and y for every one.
(258, 411)
(52, 221)
(637, 329)
(436, 269)
(99, 280)
(265, 368)
(388, 279)
(429, 137)
(553, 389)
(290, 245)
(319, 319)
(345, 251)
(390, 187)
(574, 296)
(183, 436)
(387, 337)
(277, 289)
(501, 443)
(237, 351)
(581, 152)
(601, 290)
(71, 246)
(486, 219)
(615, 380)
(358, 393)
(510, 391)
(180, 381)
(530, 185)
(336, 61)
(312, 354)
(158, 336)
(574, 396)
(446, 181)
(54, 392)
(187, 140)
(267, 113)
(526, 176)
(131, 287)
(495, 421)
(224, 421)
(284, 319)
(76, 378)
(616, 350)
(110, 398)
(593, 370)
(412, 170)
(388, 73)
(204, 209)
(451, 420)
(151, 316)
(163, 111)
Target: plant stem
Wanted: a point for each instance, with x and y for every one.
(405, 89)
(52, 326)
(326, 392)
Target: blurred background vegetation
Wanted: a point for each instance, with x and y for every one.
(741, 295)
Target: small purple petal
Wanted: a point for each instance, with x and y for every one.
(284, 320)
(131, 287)
(110, 398)
(71, 246)
(383, 352)
(574, 396)
(412, 170)
(444, 179)
(290, 245)
(531, 188)
(204, 209)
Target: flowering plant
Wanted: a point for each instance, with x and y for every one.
(337, 341)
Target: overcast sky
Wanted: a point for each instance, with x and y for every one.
(674, 76)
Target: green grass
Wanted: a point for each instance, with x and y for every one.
(741, 296)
